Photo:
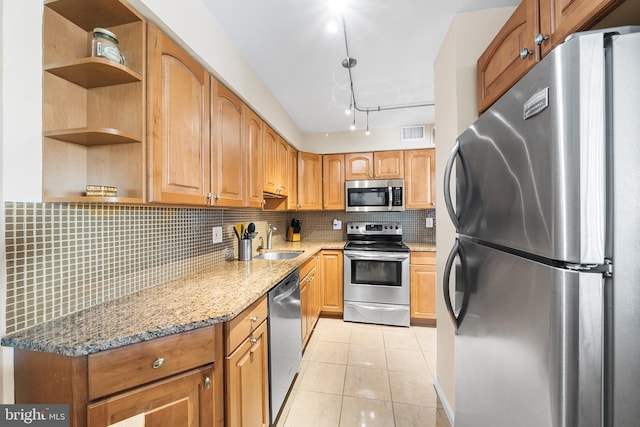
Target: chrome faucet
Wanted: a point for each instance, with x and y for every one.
(270, 230)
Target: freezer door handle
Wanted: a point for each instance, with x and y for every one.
(447, 185)
(448, 201)
(455, 251)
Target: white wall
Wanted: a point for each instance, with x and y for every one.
(456, 108)
(356, 141)
(20, 131)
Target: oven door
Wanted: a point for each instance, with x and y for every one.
(373, 276)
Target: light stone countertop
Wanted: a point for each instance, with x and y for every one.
(213, 295)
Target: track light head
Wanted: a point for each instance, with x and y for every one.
(349, 62)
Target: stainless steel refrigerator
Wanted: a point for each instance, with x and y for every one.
(546, 294)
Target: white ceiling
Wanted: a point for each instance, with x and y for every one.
(395, 42)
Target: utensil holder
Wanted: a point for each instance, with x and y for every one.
(244, 250)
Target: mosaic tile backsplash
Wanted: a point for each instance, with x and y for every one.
(61, 258)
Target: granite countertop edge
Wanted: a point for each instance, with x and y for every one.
(213, 295)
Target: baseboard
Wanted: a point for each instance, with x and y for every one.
(443, 400)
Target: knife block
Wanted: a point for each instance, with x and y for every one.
(291, 236)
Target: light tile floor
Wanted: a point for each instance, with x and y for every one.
(355, 374)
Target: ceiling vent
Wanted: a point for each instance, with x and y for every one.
(413, 133)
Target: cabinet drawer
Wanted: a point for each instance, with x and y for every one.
(308, 266)
(239, 328)
(424, 258)
(122, 368)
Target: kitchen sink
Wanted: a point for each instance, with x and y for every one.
(278, 255)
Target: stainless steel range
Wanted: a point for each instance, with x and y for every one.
(376, 274)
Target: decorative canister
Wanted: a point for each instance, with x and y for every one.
(105, 44)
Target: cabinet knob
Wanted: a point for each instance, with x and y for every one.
(524, 53)
(209, 195)
(310, 279)
(540, 38)
(254, 319)
(158, 362)
(208, 383)
(218, 196)
(254, 340)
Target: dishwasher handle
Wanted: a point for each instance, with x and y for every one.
(284, 290)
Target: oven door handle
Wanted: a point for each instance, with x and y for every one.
(390, 197)
(373, 255)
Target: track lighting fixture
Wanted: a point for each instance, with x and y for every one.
(349, 62)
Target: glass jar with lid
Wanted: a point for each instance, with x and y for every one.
(105, 45)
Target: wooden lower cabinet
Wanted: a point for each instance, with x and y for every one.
(331, 270)
(247, 373)
(184, 389)
(423, 282)
(185, 400)
(309, 296)
(247, 368)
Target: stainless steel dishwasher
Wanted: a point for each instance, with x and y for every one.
(285, 340)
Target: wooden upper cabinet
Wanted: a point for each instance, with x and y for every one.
(270, 152)
(333, 181)
(292, 197)
(227, 154)
(358, 166)
(559, 18)
(309, 181)
(178, 116)
(420, 178)
(388, 164)
(501, 64)
(282, 166)
(253, 160)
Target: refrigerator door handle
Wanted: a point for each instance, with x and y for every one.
(447, 185)
(455, 251)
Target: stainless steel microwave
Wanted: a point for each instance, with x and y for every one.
(374, 195)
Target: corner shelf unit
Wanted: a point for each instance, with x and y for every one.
(93, 108)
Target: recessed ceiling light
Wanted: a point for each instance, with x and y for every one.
(332, 26)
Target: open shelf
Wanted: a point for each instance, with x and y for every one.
(94, 13)
(92, 136)
(94, 72)
(93, 199)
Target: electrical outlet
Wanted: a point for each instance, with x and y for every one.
(337, 224)
(217, 234)
(428, 222)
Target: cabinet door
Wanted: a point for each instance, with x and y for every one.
(388, 164)
(253, 158)
(305, 303)
(270, 151)
(282, 166)
(184, 400)
(333, 181)
(358, 166)
(292, 197)
(228, 157)
(178, 117)
(423, 291)
(559, 18)
(331, 271)
(309, 181)
(420, 183)
(501, 65)
(248, 382)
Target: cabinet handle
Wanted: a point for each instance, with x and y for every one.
(209, 196)
(218, 196)
(254, 319)
(310, 279)
(524, 53)
(540, 38)
(254, 340)
(207, 383)
(158, 362)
